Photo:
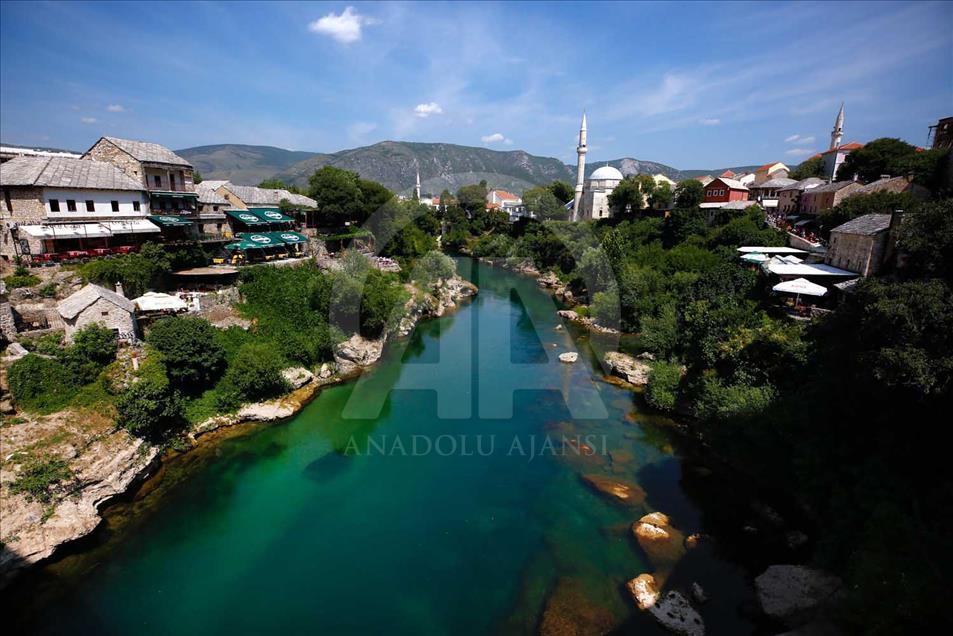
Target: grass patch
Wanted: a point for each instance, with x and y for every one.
(205, 406)
(21, 280)
(37, 478)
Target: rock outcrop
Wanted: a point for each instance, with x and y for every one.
(568, 357)
(357, 352)
(297, 377)
(795, 594)
(663, 544)
(628, 368)
(644, 590)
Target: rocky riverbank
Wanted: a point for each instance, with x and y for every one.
(96, 462)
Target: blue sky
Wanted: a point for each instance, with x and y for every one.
(690, 85)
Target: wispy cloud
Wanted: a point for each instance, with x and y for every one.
(792, 139)
(711, 121)
(345, 27)
(426, 110)
(799, 152)
(359, 130)
(116, 108)
(88, 120)
(800, 140)
(496, 138)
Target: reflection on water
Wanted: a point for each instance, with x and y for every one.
(280, 528)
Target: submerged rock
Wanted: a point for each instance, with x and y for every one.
(644, 590)
(571, 612)
(628, 368)
(795, 594)
(663, 544)
(698, 593)
(676, 614)
(616, 489)
(568, 357)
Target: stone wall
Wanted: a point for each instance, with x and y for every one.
(859, 253)
(107, 314)
(107, 151)
(26, 206)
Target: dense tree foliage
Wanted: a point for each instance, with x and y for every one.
(544, 204)
(563, 192)
(342, 196)
(813, 167)
(472, 198)
(150, 408)
(193, 358)
(253, 375)
(689, 193)
(894, 157)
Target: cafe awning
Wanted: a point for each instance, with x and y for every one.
(135, 226)
(290, 237)
(167, 220)
(271, 215)
(247, 217)
(67, 230)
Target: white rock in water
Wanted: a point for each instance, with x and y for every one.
(644, 590)
(569, 356)
(675, 613)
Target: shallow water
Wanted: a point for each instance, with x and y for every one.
(332, 523)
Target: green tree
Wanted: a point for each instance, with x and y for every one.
(689, 193)
(433, 266)
(661, 197)
(196, 177)
(563, 192)
(472, 198)
(254, 374)
(149, 408)
(926, 240)
(885, 156)
(193, 357)
(630, 195)
(813, 167)
(373, 198)
(663, 387)
(338, 194)
(543, 203)
(41, 384)
(94, 346)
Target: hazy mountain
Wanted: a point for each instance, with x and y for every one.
(395, 164)
(245, 165)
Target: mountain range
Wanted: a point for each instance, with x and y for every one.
(395, 164)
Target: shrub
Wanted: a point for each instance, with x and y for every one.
(380, 297)
(49, 344)
(605, 308)
(254, 375)
(662, 389)
(150, 409)
(48, 290)
(192, 355)
(37, 477)
(41, 384)
(720, 401)
(21, 280)
(432, 267)
(94, 346)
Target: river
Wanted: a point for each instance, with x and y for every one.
(333, 523)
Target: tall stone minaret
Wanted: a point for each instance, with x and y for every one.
(838, 131)
(581, 151)
(417, 187)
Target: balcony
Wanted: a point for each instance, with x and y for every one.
(164, 186)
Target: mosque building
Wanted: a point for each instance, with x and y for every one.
(591, 201)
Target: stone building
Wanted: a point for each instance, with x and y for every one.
(824, 197)
(724, 190)
(58, 204)
(767, 193)
(895, 185)
(789, 197)
(94, 304)
(165, 175)
(769, 171)
(210, 218)
(591, 200)
(864, 245)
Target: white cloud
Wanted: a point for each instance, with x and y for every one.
(799, 140)
(426, 110)
(360, 129)
(495, 138)
(116, 108)
(88, 120)
(344, 28)
(713, 121)
(799, 152)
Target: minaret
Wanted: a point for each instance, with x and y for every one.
(838, 131)
(581, 151)
(417, 187)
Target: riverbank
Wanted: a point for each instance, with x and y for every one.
(103, 462)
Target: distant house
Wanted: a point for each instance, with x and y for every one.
(97, 305)
(728, 174)
(825, 197)
(789, 196)
(661, 178)
(865, 244)
(211, 220)
(834, 157)
(769, 171)
(767, 193)
(705, 179)
(724, 189)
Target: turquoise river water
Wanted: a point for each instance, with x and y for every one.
(335, 523)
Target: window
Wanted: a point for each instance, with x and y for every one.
(70, 205)
(104, 313)
(54, 205)
(172, 182)
(115, 205)
(214, 208)
(90, 206)
(157, 181)
(135, 206)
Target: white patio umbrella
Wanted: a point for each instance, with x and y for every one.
(800, 286)
(754, 258)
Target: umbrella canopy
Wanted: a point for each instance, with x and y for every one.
(754, 258)
(154, 301)
(246, 217)
(800, 286)
(168, 220)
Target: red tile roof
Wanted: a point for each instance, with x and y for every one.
(727, 173)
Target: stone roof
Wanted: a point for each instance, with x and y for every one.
(895, 184)
(148, 152)
(805, 184)
(252, 195)
(65, 172)
(74, 304)
(732, 183)
(833, 187)
(207, 192)
(866, 225)
(780, 182)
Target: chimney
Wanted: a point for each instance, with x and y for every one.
(119, 289)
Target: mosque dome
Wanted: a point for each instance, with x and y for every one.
(606, 173)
